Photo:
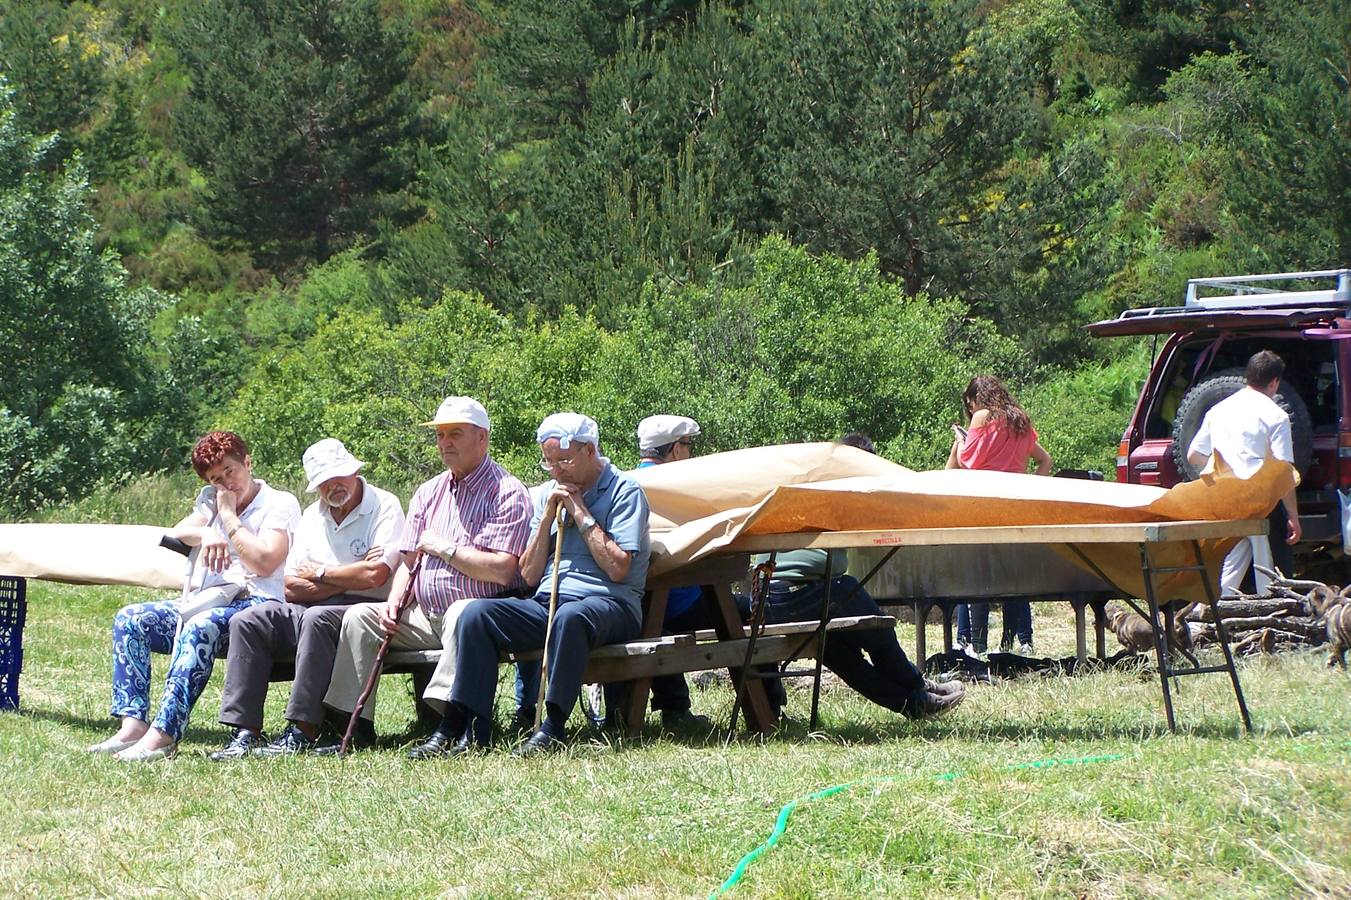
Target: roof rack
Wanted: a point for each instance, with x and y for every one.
(1250, 291)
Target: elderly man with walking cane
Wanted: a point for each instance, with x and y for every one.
(467, 527)
(601, 544)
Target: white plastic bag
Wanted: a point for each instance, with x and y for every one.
(1344, 497)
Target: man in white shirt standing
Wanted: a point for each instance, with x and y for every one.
(1245, 428)
(344, 552)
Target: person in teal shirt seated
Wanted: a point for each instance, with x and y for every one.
(870, 661)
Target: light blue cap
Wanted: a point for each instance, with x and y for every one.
(569, 427)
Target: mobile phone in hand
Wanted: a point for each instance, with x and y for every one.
(958, 432)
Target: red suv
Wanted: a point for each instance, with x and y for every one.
(1303, 316)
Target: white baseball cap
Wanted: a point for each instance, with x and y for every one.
(569, 428)
(658, 431)
(328, 459)
(461, 410)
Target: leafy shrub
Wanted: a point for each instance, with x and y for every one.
(807, 349)
(1080, 415)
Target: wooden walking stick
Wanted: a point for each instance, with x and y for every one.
(549, 623)
(379, 663)
(404, 601)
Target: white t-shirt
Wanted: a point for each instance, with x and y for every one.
(270, 510)
(1243, 428)
(377, 521)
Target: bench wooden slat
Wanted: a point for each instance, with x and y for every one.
(669, 653)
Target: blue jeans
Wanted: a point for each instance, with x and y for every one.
(973, 622)
(144, 628)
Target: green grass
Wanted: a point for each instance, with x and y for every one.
(1204, 813)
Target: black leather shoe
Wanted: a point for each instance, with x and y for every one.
(330, 744)
(436, 746)
(241, 742)
(292, 742)
(933, 704)
(538, 744)
(523, 721)
(673, 719)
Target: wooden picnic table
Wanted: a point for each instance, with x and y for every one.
(1145, 538)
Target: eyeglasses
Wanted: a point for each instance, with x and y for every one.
(567, 463)
(685, 442)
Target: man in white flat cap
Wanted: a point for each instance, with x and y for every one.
(602, 572)
(343, 553)
(470, 525)
(663, 439)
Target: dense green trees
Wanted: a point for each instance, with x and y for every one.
(79, 399)
(296, 115)
(785, 218)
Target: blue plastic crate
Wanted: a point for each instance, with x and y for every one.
(13, 605)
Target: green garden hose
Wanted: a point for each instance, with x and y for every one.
(781, 824)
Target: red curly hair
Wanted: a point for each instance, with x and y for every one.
(213, 447)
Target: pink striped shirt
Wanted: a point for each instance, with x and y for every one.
(489, 509)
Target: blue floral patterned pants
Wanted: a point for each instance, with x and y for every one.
(144, 628)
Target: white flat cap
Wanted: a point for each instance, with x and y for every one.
(658, 431)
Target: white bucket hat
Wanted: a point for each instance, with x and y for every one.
(328, 459)
(460, 410)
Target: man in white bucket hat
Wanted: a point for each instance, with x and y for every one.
(470, 524)
(345, 549)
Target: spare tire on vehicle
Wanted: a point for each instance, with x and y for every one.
(1214, 388)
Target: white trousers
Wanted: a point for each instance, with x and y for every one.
(1250, 550)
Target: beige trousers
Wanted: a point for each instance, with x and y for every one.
(360, 640)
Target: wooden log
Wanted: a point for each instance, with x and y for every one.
(1303, 629)
(1253, 606)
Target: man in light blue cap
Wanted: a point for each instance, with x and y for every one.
(602, 573)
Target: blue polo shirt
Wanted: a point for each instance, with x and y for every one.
(620, 507)
(680, 599)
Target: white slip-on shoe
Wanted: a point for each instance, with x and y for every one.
(112, 745)
(130, 755)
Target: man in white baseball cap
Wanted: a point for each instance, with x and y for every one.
(343, 553)
(663, 439)
(470, 526)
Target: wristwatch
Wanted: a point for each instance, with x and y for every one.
(320, 572)
(587, 524)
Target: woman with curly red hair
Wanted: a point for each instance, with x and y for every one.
(1000, 438)
(243, 528)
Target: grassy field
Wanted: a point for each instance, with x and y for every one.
(937, 809)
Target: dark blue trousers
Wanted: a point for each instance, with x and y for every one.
(871, 662)
(487, 628)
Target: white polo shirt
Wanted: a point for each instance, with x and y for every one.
(1243, 428)
(270, 510)
(377, 521)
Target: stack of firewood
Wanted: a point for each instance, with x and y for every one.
(1289, 617)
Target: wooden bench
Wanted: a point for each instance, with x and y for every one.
(673, 654)
(649, 657)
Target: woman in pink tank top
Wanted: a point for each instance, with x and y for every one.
(1000, 438)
